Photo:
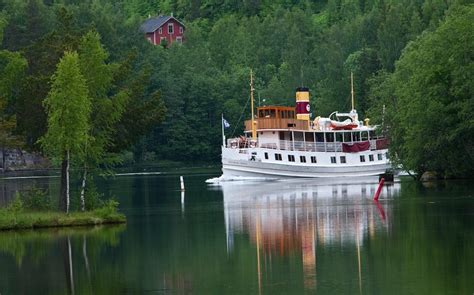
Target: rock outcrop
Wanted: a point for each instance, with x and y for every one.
(16, 159)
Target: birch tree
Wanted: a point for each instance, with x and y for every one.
(108, 104)
(68, 107)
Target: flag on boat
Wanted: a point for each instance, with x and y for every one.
(225, 123)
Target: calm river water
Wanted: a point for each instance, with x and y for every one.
(280, 237)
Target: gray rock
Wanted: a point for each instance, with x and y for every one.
(429, 176)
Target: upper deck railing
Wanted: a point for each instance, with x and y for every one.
(289, 145)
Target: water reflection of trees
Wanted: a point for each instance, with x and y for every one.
(63, 259)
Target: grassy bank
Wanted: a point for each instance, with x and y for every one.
(33, 220)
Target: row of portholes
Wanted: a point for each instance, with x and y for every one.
(342, 159)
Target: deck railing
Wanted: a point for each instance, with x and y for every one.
(307, 146)
(310, 146)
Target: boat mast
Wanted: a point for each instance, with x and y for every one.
(352, 90)
(254, 129)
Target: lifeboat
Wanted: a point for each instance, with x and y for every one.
(344, 125)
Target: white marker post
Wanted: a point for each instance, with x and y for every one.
(182, 183)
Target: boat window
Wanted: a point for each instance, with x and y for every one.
(371, 158)
(267, 113)
(291, 158)
(272, 113)
(365, 135)
(329, 137)
(379, 157)
(266, 156)
(355, 136)
(319, 137)
(281, 134)
(338, 136)
(343, 159)
(278, 157)
(333, 160)
(291, 114)
(372, 134)
(309, 136)
(298, 136)
(362, 158)
(313, 159)
(302, 159)
(347, 137)
(260, 114)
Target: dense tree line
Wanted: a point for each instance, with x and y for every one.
(288, 43)
(430, 99)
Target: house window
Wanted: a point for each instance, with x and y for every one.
(180, 29)
(313, 159)
(170, 29)
(379, 157)
(333, 160)
(371, 158)
(278, 157)
(160, 31)
(362, 158)
(302, 159)
(343, 159)
(266, 156)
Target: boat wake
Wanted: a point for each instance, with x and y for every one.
(222, 178)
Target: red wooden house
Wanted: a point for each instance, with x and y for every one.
(161, 28)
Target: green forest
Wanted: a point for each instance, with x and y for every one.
(136, 102)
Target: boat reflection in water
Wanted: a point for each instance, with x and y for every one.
(291, 217)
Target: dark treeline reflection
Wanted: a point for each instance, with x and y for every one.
(58, 261)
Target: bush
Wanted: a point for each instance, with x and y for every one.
(93, 198)
(16, 206)
(108, 209)
(37, 200)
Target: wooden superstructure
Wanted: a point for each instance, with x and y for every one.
(276, 117)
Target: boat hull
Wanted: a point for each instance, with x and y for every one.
(249, 164)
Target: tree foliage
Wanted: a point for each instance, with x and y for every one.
(68, 107)
(431, 99)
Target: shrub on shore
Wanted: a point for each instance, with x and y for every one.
(33, 210)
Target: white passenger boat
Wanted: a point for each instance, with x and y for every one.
(283, 142)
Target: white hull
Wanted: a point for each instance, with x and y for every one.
(252, 163)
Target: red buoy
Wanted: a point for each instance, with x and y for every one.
(379, 189)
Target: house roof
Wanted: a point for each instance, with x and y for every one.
(153, 24)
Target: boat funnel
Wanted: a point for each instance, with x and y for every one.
(302, 103)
